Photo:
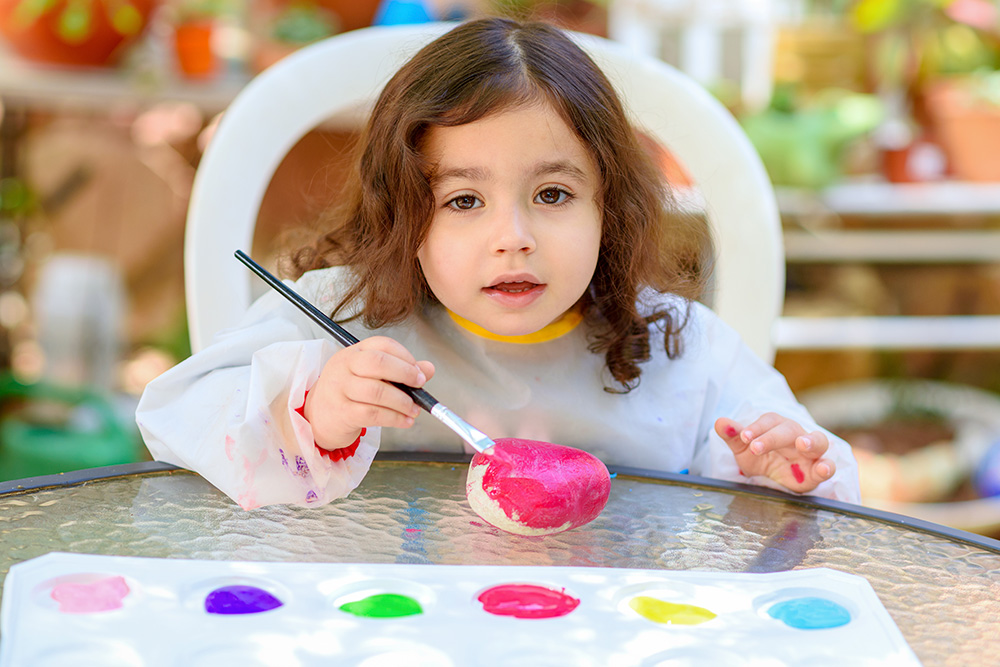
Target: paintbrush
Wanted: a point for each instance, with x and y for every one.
(476, 438)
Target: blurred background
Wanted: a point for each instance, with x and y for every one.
(878, 122)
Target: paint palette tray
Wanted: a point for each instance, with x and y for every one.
(73, 609)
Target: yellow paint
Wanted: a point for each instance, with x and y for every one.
(660, 611)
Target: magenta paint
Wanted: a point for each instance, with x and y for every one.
(542, 486)
(527, 601)
(797, 472)
(104, 594)
(240, 599)
(731, 432)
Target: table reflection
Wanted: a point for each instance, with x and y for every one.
(941, 588)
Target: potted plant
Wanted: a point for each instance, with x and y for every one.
(918, 48)
(91, 33)
(194, 24)
(293, 26)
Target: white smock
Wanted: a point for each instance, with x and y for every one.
(228, 412)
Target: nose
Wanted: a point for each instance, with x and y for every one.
(512, 231)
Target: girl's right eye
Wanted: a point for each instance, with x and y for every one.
(464, 203)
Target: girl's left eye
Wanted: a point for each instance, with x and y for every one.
(553, 196)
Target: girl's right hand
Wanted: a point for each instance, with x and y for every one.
(353, 391)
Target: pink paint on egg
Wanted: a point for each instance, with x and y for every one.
(104, 594)
(529, 487)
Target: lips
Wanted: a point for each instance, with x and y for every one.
(517, 287)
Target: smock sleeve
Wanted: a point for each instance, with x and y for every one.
(229, 412)
(742, 387)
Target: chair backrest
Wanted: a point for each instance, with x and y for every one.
(342, 76)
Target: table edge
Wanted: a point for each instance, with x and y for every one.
(78, 477)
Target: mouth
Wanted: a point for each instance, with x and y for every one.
(518, 287)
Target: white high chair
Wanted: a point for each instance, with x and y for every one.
(341, 76)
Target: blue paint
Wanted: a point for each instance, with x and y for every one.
(240, 600)
(810, 613)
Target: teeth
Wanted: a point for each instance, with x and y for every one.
(512, 290)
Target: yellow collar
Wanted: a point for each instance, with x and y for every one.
(562, 326)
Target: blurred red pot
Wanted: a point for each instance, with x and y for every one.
(74, 32)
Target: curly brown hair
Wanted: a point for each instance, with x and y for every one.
(483, 67)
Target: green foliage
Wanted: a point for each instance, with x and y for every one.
(75, 22)
(802, 145)
(204, 9)
(16, 199)
(304, 23)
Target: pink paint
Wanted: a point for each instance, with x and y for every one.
(527, 601)
(797, 472)
(731, 432)
(412, 530)
(543, 486)
(230, 448)
(87, 598)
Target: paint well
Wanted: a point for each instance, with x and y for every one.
(232, 600)
(104, 594)
(810, 613)
(527, 601)
(670, 613)
(383, 605)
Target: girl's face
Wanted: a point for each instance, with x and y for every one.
(514, 240)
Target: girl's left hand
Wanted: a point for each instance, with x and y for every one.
(780, 449)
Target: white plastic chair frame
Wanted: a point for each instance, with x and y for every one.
(344, 74)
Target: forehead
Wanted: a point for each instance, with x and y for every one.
(512, 138)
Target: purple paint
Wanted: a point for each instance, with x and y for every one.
(230, 600)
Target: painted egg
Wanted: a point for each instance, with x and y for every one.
(528, 487)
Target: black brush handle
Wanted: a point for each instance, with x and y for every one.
(420, 396)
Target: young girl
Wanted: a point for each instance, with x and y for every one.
(505, 228)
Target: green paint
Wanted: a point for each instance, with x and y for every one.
(660, 611)
(383, 605)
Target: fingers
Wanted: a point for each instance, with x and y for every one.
(772, 432)
(779, 448)
(384, 359)
(353, 391)
(729, 431)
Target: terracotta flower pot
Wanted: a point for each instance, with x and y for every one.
(99, 43)
(193, 49)
(968, 128)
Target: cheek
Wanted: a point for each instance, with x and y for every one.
(440, 261)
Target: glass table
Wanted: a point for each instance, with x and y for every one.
(941, 586)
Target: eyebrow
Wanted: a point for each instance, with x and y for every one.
(547, 168)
